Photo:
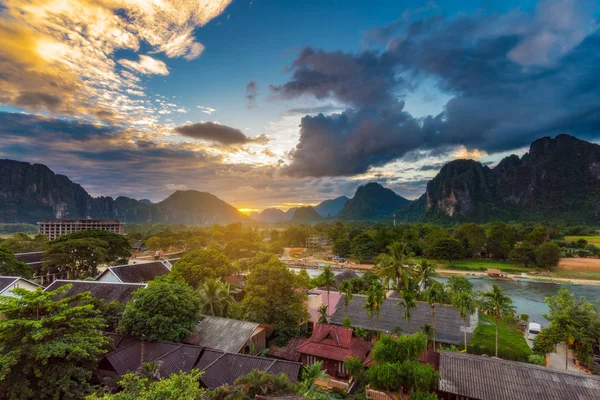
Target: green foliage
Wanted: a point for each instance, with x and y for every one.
(537, 360)
(346, 322)
(295, 236)
(385, 376)
(167, 310)
(547, 255)
(10, 266)
(446, 249)
(48, 348)
(272, 296)
(361, 333)
(472, 237)
(239, 248)
(199, 265)
(347, 289)
(457, 284)
(215, 298)
(524, 253)
(310, 374)
(511, 343)
(393, 266)
(117, 248)
(254, 383)
(409, 375)
(22, 243)
(390, 350)
(342, 247)
(466, 304)
(498, 305)
(364, 247)
(422, 396)
(409, 303)
(80, 257)
(176, 387)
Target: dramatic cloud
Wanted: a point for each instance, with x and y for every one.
(218, 133)
(504, 94)
(59, 56)
(251, 94)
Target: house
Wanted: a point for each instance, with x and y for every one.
(230, 335)
(448, 322)
(218, 367)
(287, 352)
(8, 283)
(333, 345)
(472, 377)
(134, 273)
(137, 246)
(317, 298)
(33, 259)
(107, 291)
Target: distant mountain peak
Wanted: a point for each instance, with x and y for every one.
(330, 208)
(372, 202)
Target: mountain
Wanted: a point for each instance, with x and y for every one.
(559, 178)
(145, 201)
(306, 214)
(330, 208)
(289, 214)
(270, 215)
(372, 202)
(32, 192)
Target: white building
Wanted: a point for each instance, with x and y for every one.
(8, 283)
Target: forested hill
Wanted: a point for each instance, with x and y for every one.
(32, 192)
(558, 179)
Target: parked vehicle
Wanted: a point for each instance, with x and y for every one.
(533, 330)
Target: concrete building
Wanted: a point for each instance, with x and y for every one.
(8, 283)
(53, 228)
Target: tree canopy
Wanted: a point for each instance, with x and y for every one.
(10, 266)
(199, 265)
(48, 348)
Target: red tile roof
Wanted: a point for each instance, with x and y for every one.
(334, 342)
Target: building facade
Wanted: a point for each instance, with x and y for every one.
(53, 228)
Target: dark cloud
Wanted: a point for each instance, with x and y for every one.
(214, 133)
(251, 94)
(431, 167)
(324, 109)
(38, 101)
(513, 78)
(36, 126)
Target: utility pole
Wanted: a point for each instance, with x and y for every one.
(394, 215)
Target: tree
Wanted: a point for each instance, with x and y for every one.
(364, 247)
(323, 316)
(424, 273)
(167, 310)
(254, 383)
(373, 302)
(466, 305)
(311, 374)
(574, 322)
(547, 255)
(10, 266)
(118, 248)
(342, 247)
(496, 303)
(446, 249)
(435, 294)
(327, 279)
(472, 236)
(408, 302)
(523, 253)
(199, 265)
(239, 248)
(177, 386)
(272, 296)
(457, 284)
(537, 236)
(215, 298)
(347, 289)
(79, 257)
(393, 267)
(48, 347)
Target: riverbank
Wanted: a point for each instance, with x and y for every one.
(529, 278)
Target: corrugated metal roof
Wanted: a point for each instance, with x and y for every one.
(224, 334)
(107, 291)
(139, 273)
(34, 257)
(486, 378)
(220, 368)
(288, 352)
(448, 323)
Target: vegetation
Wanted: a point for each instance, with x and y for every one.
(48, 348)
(498, 305)
(466, 304)
(168, 310)
(511, 343)
(10, 266)
(215, 298)
(255, 383)
(199, 265)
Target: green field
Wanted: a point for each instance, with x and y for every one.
(595, 240)
(511, 343)
(482, 265)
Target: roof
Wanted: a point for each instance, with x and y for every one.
(174, 357)
(220, 368)
(486, 378)
(334, 342)
(287, 352)
(137, 245)
(448, 323)
(223, 334)
(120, 340)
(107, 291)
(344, 276)
(334, 300)
(138, 273)
(7, 281)
(32, 257)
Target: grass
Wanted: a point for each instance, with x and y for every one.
(575, 274)
(511, 343)
(595, 240)
(511, 267)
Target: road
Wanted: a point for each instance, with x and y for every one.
(557, 359)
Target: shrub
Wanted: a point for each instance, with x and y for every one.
(537, 359)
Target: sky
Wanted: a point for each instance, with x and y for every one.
(284, 103)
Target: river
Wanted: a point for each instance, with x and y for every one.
(527, 297)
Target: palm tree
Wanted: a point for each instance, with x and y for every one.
(425, 272)
(427, 329)
(435, 294)
(327, 279)
(466, 304)
(313, 373)
(497, 304)
(215, 298)
(347, 288)
(393, 267)
(323, 316)
(409, 303)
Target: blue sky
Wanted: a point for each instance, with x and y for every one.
(279, 103)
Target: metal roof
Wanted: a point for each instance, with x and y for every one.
(485, 378)
(107, 291)
(220, 368)
(6, 281)
(34, 257)
(223, 334)
(448, 322)
(138, 273)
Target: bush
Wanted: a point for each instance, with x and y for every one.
(422, 396)
(537, 360)
(346, 322)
